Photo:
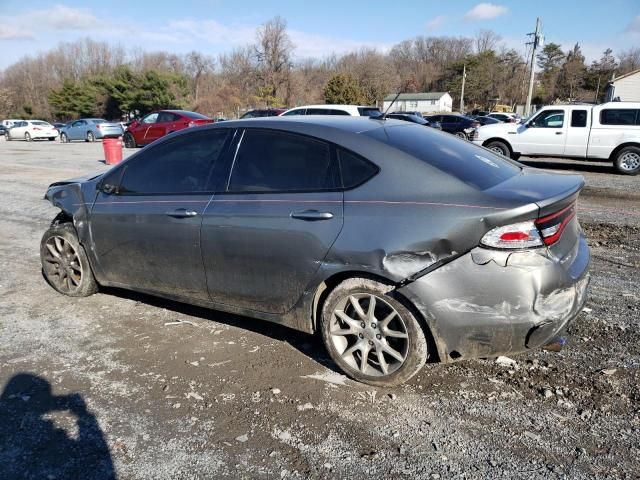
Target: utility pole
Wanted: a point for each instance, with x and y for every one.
(535, 43)
(464, 77)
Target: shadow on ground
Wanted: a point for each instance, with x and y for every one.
(309, 345)
(47, 436)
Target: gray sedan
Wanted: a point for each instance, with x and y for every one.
(400, 244)
(90, 129)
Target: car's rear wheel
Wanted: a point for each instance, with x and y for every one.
(7, 137)
(64, 262)
(27, 137)
(91, 137)
(371, 335)
(64, 138)
(461, 135)
(499, 147)
(627, 161)
(51, 139)
(129, 141)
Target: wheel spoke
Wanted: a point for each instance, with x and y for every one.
(355, 324)
(58, 242)
(52, 250)
(358, 308)
(394, 353)
(372, 308)
(353, 348)
(364, 360)
(395, 334)
(343, 332)
(76, 266)
(384, 366)
(383, 324)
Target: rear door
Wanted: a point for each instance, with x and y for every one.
(266, 235)
(544, 134)
(160, 127)
(143, 129)
(578, 132)
(146, 222)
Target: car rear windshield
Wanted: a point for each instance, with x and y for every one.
(195, 115)
(473, 165)
(369, 111)
(45, 124)
(98, 121)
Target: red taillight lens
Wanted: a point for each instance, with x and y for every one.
(552, 226)
(516, 236)
(191, 124)
(37, 128)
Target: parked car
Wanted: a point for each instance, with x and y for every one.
(352, 110)
(504, 117)
(609, 132)
(3, 130)
(409, 117)
(7, 124)
(397, 243)
(265, 112)
(158, 124)
(90, 129)
(458, 125)
(417, 114)
(483, 120)
(59, 125)
(31, 130)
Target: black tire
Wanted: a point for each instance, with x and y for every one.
(129, 141)
(499, 147)
(27, 137)
(64, 138)
(627, 160)
(91, 137)
(7, 137)
(51, 139)
(461, 135)
(413, 348)
(65, 265)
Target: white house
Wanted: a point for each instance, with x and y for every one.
(419, 102)
(625, 88)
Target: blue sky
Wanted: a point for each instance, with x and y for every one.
(317, 28)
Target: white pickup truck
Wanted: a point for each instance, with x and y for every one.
(609, 132)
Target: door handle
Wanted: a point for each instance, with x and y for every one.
(312, 215)
(182, 213)
(558, 133)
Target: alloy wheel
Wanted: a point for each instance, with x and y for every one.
(90, 137)
(369, 334)
(63, 138)
(62, 264)
(27, 137)
(630, 161)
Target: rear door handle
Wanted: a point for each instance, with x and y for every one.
(312, 215)
(558, 133)
(182, 213)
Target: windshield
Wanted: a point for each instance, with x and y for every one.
(473, 165)
(369, 111)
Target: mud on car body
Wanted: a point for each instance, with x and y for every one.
(399, 244)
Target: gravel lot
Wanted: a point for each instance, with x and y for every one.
(121, 385)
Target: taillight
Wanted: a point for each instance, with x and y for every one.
(98, 126)
(191, 124)
(552, 226)
(37, 128)
(518, 235)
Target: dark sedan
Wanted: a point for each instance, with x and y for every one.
(458, 125)
(410, 117)
(399, 244)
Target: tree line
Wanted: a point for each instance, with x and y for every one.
(90, 78)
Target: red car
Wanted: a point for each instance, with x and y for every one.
(158, 124)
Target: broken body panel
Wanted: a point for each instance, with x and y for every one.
(419, 229)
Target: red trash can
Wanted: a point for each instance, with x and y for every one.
(112, 150)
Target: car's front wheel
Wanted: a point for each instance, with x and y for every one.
(27, 137)
(129, 141)
(64, 262)
(627, 160)
(499, 147)
(461, 135)
(91, 137)
(64, 138)
(7, 137)
(371, 335)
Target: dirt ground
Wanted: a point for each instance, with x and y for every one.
(121, 385)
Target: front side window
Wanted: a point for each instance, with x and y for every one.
(151, 118)
(273, 161)
(619, 116)
(548, 119)
(579, 118)
(181, 165)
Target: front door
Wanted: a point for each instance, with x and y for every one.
(578, 133)
(265, 237)
(545, 134)
(145, 222)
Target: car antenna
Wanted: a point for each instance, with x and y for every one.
(401, 91)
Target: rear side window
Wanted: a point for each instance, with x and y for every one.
(181, 165)
(619, 116)
(355, 170)
(273, 161)
(318, 111)
(579, 118)
(369, 111)
(299, 111)
(473, 165)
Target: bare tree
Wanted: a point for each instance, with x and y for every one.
(273, 56)
(197, 65)
(629, 60)
(486, 40)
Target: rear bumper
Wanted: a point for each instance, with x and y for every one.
(488, 303)
(109, 133)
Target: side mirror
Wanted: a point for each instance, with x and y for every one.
(107, 188)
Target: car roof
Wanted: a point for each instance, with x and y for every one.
(353, 124)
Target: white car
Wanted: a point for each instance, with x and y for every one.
(30, 130)
(352, 110)
(7, 124)
(609, 132)
(505, 117)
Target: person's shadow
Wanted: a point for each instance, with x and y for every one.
(33, 447)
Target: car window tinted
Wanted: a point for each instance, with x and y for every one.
(579, 118)
(369, 111)
(151, 118)
(272, 161)
(193, 115)
(318, 111)
(355, 170)
(472, 165)
(619, 116)
(181, 165)
(299, 111)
